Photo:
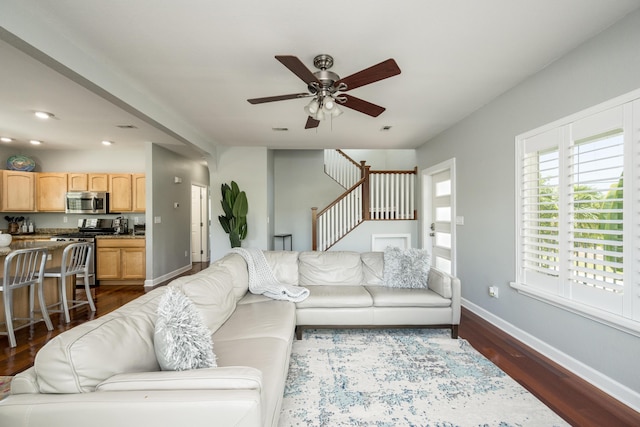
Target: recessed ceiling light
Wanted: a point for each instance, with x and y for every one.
(35, 142)
(43, 115)
(105, 142)
(6, 139)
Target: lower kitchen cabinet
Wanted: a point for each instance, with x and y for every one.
(120, 261)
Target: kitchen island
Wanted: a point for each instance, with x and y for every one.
(21, 296)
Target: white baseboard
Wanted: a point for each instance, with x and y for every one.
(150, 283)
(613, 388)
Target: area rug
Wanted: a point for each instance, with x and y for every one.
(402, 377)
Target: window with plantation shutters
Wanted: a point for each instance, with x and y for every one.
(578, 213)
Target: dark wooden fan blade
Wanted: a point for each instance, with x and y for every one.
(363, 106)
(278, 98)
(298, 68)
(378, 72)
(311, 123)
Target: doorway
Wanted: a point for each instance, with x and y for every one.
(439, 207)
(199, 223)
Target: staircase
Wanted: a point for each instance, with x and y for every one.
(369, 195)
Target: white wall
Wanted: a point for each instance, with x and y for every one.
(484, 147)
(249, 168)
(385, 159)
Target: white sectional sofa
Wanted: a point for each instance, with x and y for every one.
(105, 372)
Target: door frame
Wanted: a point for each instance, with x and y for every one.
(204, 213)
(427, 210)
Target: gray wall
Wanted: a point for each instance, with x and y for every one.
(484, 147)
(169, 240)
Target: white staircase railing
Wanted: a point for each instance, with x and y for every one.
(342, 168)
(373, 195)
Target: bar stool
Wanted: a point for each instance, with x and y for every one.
(75, 261)
(24, 268)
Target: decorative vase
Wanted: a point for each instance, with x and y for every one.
(14, 227)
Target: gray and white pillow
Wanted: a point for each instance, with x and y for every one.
(181, 339)
(405, 268)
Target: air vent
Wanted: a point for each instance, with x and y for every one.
(126, 126)
(385, 128)
(280, 129)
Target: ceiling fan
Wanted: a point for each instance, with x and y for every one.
(324, 85)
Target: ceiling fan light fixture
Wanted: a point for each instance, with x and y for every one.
(328, 103)
(336, 111)
(313, 107)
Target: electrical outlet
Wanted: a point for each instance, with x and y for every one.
(186, 253)
(65, 219)
(493, 291)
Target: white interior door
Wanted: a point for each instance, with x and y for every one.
(199, 224)
(439, 226)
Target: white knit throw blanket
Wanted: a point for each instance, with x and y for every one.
(262, 281)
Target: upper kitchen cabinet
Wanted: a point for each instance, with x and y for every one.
(77, 182)
(99, 182)
(139, 192)
(51, 189)
(121, 192)
(18, 191)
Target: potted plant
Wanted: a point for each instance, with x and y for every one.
(235, 207)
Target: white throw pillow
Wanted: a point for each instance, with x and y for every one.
(408, 268)
(181, 340)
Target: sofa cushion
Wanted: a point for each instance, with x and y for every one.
(284, 265)
(212, 294)
(339, 268)
(181, 339)
(273, 318)
(406, 297)
(336, 297)
(372, 267)
(237, 268)
(408, 268)
(80, 358)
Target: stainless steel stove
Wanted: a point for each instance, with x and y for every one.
(88, 229)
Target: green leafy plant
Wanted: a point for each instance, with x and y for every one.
(235, 207)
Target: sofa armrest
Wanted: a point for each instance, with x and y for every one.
(447, 286)
(225, 378)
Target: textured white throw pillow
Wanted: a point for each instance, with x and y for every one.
(181, 339)
(408, 268)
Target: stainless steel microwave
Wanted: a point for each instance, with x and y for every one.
(87, 202)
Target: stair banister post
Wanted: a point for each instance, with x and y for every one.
(366, 211)
(314, 229)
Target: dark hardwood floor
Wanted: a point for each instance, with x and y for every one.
(578, 402)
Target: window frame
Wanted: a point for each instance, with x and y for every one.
(629, 320)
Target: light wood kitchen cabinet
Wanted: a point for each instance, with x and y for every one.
(120, 261)
(77, 182)
(18, 191)
(51, 189)
(139, 192)
(98, 182)
(121, 193)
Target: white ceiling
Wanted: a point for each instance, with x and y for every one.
(181, 72)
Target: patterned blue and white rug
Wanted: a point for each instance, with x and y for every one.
(402, 377)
